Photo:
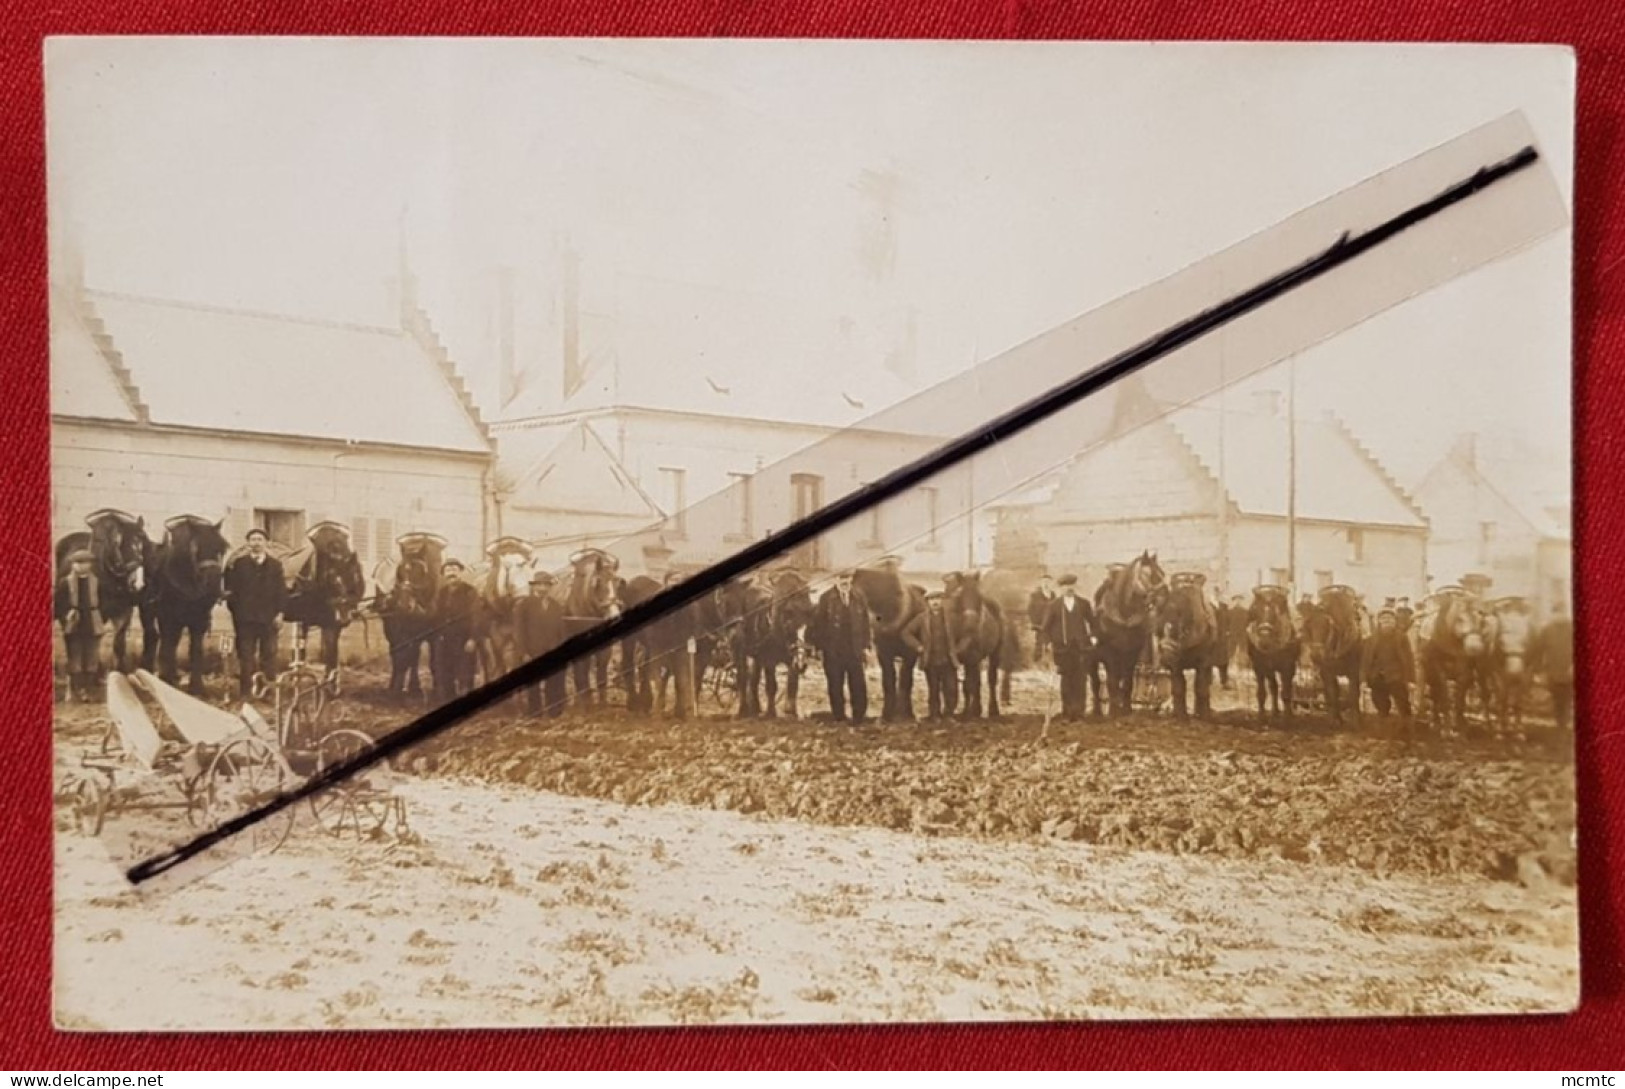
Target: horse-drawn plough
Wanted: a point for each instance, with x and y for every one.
(216, 765)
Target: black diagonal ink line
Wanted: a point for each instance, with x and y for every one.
(1348, 247)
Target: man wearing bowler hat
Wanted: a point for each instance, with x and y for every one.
(456, 608)
(1070, 629)
(841, 630)
(538, 621)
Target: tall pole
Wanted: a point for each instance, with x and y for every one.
(1222, 583)
(1292, 475)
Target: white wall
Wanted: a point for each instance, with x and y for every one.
(162, 473)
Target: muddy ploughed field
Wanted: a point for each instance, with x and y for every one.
(609, 870)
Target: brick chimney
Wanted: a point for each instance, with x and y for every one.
(901, 360)
(1465, 450)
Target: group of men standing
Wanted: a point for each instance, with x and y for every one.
(1063, 628)
(254, 588)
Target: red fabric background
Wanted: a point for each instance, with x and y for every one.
(1593, 1038)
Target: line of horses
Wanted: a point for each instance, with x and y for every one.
(172, 584)
(762, 628)
(1458, 644)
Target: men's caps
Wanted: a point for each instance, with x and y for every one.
(936, 595)
(257, 532)
(81, 555)
(1067, 580)
(542, 578)
(452, 563)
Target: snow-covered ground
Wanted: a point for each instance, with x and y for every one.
(519, 907)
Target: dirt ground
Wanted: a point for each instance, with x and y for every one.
(614, 871)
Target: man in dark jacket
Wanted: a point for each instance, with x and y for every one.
(1070, 629)
(78, 609)
(538, 627)
(456, 611)
(1554, 659)
(1038, 603)
(842, 626)
(927, 636)
(673, 643)
(255, 592)
(1388, 665)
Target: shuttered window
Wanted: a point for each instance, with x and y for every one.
(383, 539)
(361, 538)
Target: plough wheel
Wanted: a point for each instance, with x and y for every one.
(246, 773)
(353, 806)
(88, 803)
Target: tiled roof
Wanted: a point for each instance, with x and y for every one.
(84, 381)
(1337, 480)
(202, 366)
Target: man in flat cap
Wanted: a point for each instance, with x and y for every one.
(927, 636)
(255, 592)
(78, 608)
(1070, 627)
(538, 623)
(841, 629)
(1388, 666)
(456, 611)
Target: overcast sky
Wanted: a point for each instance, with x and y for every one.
(996, 190)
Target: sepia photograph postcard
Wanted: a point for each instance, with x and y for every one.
(1189, 634)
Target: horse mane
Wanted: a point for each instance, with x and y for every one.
(1191, 614)
(1121, 601)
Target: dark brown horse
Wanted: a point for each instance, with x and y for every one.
(772, 618)
(637, 670)
(1334, 633)
(592, 597)
(1187, 632)
(122, 553)
(893, 603)
(977, 628)
(1273, 648)
(405, 600)
(1124, 606)
(325, 588)
(183, 592)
